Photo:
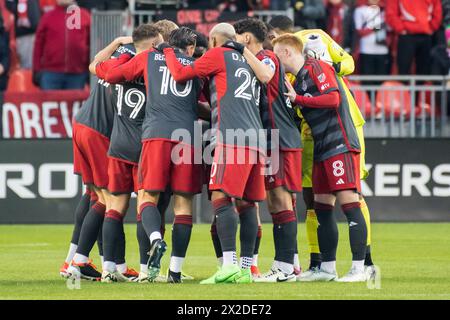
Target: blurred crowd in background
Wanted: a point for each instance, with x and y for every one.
(384, 36)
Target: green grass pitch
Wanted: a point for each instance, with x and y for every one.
(414, 260)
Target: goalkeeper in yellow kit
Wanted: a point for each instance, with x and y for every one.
(320, 45)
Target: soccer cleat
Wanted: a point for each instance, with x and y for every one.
(255, 271)
(370, 272)
(86, 271)
(354, 276)
(226, 274)
(275, 275)
(297, 272)
(143, 277)
(109, 277)
(63, 270)
(245, 276)
(212, 279)
(308, 273)
(154, 261)
(174, 277)
(185, 276)
(316, 274)
(131, 274)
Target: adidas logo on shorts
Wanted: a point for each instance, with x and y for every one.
(340, 181)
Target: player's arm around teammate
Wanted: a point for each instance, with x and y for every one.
(277, 114)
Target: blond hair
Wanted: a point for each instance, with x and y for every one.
(289, 40)
(165, 28)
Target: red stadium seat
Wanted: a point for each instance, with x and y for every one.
(394, 101)
(362, 99)
(20, 80)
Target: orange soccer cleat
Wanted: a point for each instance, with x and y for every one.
(255, 271)
(63, 270)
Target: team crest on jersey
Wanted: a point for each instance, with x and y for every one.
(322, 77)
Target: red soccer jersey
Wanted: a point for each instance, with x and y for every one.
(276, 108)
(234, 92)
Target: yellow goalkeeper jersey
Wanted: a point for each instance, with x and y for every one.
(344, 63)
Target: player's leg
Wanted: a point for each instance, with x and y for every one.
(312, 224)
(181, 235)
(114, 238)
(248, 220)
(349, 200)
(226, 224)
(151, 221)
(284, 234)
(216, 242)
(81, 267)
(297, 267)
(254, 269)
(364, 173)
(80, 212)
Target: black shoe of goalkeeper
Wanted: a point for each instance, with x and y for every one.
(174, 277)
(154, 262)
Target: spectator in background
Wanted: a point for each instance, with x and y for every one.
(26, 15)
(440, 62)
(47, 5)
(309, 14)
(103, 4)
(278, 4)
(414, 22)
(4, 64)
(61, 52)
(339, 24)
(370, 25)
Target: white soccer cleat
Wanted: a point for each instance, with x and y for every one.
(275, 275)
(143, 277)
(316, 274)
(354, 276)
(116, 276)
(371, 272)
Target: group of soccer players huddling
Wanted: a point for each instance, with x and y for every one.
(138, 132)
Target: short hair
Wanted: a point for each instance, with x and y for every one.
(289, 40)
(182, 38)
(226, 30)
(255, 26)
(202, 40)
(144, 32)
(282, 23)
(165, 28)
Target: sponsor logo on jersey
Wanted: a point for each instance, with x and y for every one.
(322, 77)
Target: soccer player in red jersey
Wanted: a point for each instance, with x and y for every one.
(125, 147)
(167, 156)
(92, 127)
(336, 156)
(277, 115)
(236, 170)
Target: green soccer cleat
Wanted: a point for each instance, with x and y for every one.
(226, 274)
(154, 262)
(245, 276)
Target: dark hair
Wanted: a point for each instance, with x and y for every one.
(202, 40)
(182, 38)
(252, 25)
(145, 32)
(201, 45)
(283, 23)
